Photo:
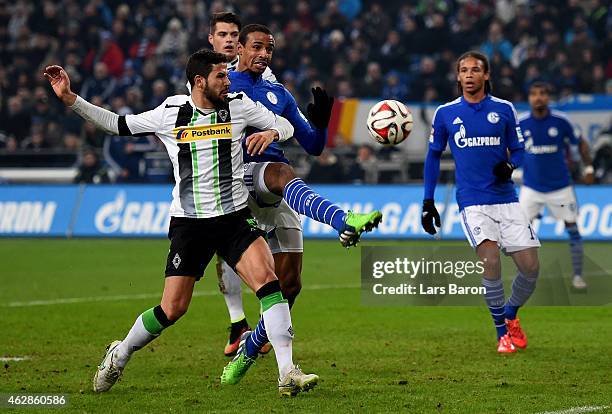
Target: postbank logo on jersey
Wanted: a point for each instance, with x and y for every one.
(462, 141)
(201, 132)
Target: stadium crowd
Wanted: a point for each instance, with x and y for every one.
(129, 55)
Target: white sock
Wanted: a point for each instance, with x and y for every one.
(135, 339)
(232, 293)
(277, 320)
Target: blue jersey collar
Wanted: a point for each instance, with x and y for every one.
(246, 77)
(477, 105)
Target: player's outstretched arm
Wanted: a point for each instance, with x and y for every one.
(100, 117)
(312, 136)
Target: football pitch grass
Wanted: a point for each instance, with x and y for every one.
(63, 301)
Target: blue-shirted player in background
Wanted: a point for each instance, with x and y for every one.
(276, 192)
(486, 142)
(546, 178)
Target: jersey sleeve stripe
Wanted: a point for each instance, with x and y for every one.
(124, 130)
(561, 115)
(456, 101)
(496, 99)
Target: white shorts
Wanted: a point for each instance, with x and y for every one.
(561, 203)
(275, 217)
(505, 224)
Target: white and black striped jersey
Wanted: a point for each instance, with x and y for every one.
(205, 147)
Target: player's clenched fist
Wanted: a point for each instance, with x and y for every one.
(60, 82)
(430, 213)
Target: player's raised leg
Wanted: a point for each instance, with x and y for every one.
(148, 326)
(282, 180)
(230, 287)
(256, 268)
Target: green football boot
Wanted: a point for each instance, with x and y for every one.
(355, 224)
(237, 367)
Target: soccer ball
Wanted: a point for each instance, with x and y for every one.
(389, 122)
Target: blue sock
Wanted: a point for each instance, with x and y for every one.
(494, 297)
(522, 288)
(257, 339)
(575, 248)
(302, 199)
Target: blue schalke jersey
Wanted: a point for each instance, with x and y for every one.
(279, 100)
(479, 136)
(545, 168)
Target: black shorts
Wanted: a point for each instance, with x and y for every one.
(193, 242)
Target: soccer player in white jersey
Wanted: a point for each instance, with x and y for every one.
(546, 178)
(481, 130)
(203, 135)
(224, 33)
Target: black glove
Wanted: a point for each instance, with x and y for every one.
(503, 170)
(429, 214)
(319, 112)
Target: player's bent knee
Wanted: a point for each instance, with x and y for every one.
(277, 175)
(286, 174)
(268, 276)
(532, 268)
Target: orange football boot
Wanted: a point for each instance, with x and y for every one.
(505, 345)
(232, 347)
(266, 348)
(516, 333)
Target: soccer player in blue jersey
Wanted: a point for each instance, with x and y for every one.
(276, 192)
(268, 175)
(546, 178)
(486, 142)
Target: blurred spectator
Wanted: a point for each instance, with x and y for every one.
(90, 170)
(325, 169)
(373, 81)
(126, 157)
(145, 46)
(101, 85)
(174, 40)
(364, 163)
(496, 42)
(19, 119)
(394, 88)
(36, 141)
(107, 52)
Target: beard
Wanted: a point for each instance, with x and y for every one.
(216, 99)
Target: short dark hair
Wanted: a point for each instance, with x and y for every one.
(201, 63)
(541, 85)
(252, 28)
(224, 17)
(485, 63)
